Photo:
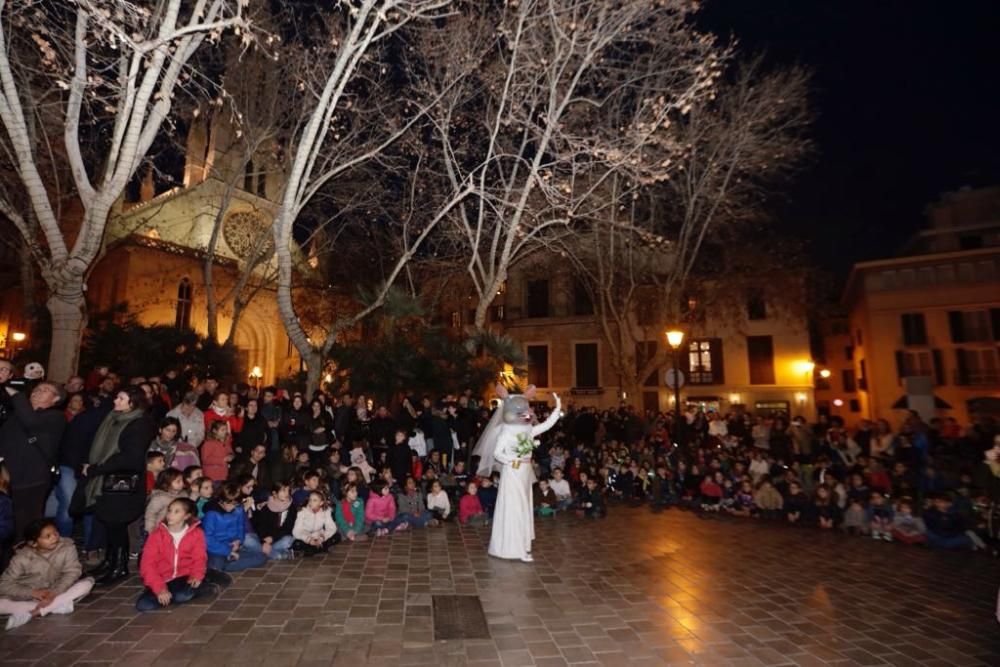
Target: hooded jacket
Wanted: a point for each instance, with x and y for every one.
(162, 561)
(32, 568)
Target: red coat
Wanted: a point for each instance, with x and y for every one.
(159, 557)
(213, 459)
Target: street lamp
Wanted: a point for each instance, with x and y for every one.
(18, 337)
(255, 375)
(675, 338)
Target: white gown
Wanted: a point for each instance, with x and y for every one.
(514, 516)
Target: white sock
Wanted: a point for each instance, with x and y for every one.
(63, 608)
(17, 620)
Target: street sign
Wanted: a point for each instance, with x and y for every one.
(674, 378)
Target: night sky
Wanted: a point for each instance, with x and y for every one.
(907, 97)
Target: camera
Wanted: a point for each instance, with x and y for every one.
(21, 384)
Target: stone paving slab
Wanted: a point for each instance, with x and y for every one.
(634, 589)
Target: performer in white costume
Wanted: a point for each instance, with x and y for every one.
(510, 430)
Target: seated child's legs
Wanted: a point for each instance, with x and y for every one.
(180, 592)
(478, 520)
(282, 548)
(10, 607)
(948, 542)
(248, 559)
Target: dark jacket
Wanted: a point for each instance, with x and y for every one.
(242, 465)
(222, 527)
(79, 435)
(944, 524)
(383, 432)
(29, 442)
(269, 524)
(255, 432)
(343, 424)
(129, 460)
(400, 460)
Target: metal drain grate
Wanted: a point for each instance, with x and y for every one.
(459, 617)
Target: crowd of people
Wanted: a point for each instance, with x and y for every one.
(194, 479)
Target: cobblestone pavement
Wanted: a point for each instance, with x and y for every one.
(636, 588)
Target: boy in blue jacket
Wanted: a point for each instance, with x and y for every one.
(225, 531)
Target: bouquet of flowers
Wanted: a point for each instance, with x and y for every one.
(525, 446)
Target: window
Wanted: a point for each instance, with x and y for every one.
(262, 185)
(183, 316)
(926, 363)
(538, 365)
(704, 361)
(456, 320)
(537, 298)
(970, 326)
(582, 303)
(848, 378)
(760, 353)
(248, 175)
(849, 353)
(587, 374)
(496, 313)
(133, 190)
(914, 329)
(862, 377)
(645, 311)
(644, 351)
(855, 405)
(756, 306)
(976, 367)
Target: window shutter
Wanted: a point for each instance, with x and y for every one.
(938, 367)
(955, 324)
(904, 321)
(962, 366)
(900, 366)
(718, 370)
(995, 323)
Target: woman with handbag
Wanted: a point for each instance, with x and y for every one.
(115, 477)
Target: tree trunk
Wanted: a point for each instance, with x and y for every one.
(314, 367)
(66, 306)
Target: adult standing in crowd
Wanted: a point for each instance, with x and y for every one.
(192, 420)
(116, 475)
(29, 445)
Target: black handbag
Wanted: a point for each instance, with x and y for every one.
(119, 483)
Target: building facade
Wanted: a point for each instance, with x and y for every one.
(757, 360)
(933, 312)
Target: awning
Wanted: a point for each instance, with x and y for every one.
(904, 404)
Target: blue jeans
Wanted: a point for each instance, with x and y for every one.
(57, 505)
(279, 548)
(248, 558)
(388, 525)
(180, 591)
(416, 520)
(960, 541)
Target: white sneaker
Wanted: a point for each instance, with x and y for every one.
(63, 609)
(526, 558)
(17, 620)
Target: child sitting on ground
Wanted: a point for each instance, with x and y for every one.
(310, 482)
(743, 504)
(175, 562)
(410, 504)
(796, 503)
(768, 500)
(470, 510)
(380, 511)
(315, 530)
(825, 508)
(350, 514)
(206, 489)
(711, 492)
(907, 527)
(946, 528)
(438, 503)
(487, 493)
(225, 532)
(43, 577)
(560, 486)
(591, 500)
(880, 517)
(274, 521)
(544, 499)
(192, 475)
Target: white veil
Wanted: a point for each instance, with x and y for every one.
(487, 444)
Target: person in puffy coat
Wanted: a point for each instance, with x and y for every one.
(315, 530)
(174, 560)
(350, 514)
(43, 576)
(274, 522)
(224, 524)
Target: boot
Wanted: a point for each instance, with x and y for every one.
(103, 567)
(119, 569)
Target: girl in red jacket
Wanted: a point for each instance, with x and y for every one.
(175, 559)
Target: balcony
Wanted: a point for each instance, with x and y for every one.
(586, 391)
(976, 378)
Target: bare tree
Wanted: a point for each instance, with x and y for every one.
(107, 72)
(321, 152)
(523, 128)
(643, 258)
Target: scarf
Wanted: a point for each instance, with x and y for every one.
(345, 506)
(105, 446)
(278, 506)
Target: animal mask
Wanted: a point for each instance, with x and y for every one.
(34, 371)
(516, 408)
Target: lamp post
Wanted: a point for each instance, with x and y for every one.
(675, 338)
